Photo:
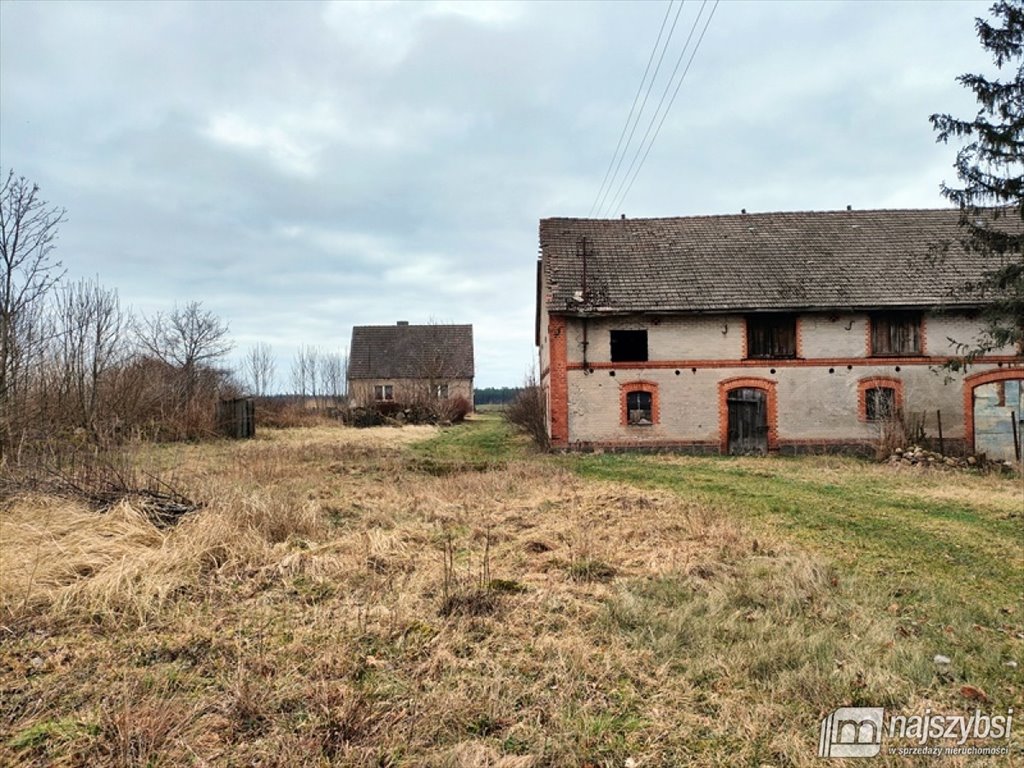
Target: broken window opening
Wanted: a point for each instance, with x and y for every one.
(896, 334)
(441, 391)
(629, 346)
(771, 336)
(639, 409)
(879, 403)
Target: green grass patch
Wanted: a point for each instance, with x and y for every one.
(482, 442)
(943, 551)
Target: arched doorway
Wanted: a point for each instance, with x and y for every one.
(993, 410)
(747, 415)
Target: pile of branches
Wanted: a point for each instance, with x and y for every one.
(102, 485)
(159, 502)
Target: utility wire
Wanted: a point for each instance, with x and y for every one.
(671, 102)
(650, 86)
(636, 163)
(629, 117)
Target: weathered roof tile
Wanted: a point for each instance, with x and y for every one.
(411, 352)
(768, 261)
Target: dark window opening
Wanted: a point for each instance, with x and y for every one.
(383, 392)
(880, 403)
(639, 409)
(441, 391)
(896, 334)
(771, 336)
(629, 346)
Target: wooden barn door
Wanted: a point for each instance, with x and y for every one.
(748, 421)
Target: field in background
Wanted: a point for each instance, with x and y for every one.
(424, 597)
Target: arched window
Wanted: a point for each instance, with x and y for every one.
(879, 403)
(880, 398)
(639, 403)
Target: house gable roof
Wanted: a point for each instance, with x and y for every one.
(411, 352)
(761, 262)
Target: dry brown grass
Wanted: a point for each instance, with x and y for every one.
(299, 619)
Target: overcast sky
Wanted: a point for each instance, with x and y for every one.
(301, 168)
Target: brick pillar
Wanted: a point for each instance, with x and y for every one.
(559, 383)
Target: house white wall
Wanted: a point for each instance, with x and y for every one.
(817, 397)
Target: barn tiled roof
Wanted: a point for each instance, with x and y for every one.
(766, 261)
(411, 352)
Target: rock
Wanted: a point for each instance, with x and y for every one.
(1011, 664)
(940, 659)
(972, 460)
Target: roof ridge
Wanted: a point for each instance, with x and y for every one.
(855, 211)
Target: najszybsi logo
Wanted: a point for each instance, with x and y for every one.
(851, 732)
(858, 731)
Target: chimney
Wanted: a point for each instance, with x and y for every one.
(403, 322)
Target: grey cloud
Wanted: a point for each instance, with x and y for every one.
(304, 167)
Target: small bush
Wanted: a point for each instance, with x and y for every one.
(455, 409)
(528, 413)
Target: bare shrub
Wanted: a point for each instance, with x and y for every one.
(528, 412)
(285, 412)
(455, 409)
(893, 433)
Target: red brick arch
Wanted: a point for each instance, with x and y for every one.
(639, 386)
(871, 382)
(726, 386)
(974, 381)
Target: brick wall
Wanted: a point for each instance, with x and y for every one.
(816, 399)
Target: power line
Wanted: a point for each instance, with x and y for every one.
(629, 117)
(671, 102)
(627, 181)
(600, 200)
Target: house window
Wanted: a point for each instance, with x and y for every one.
(879, 403)
(880, 398)
(383, 392)
(639, 408)
(771, 336)
(441, 391)
(897, 333)
(629, 346)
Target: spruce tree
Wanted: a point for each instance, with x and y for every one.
(990, 166)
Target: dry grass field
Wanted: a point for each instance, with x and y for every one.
(425, 598)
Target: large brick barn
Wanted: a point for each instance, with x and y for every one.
(767, 332)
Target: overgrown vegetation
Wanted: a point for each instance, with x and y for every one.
(78, 367)
(528, 412)
(336, 601)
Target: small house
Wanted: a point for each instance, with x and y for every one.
(405, 363)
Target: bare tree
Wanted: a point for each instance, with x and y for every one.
(89, 342)
(333, 367)
(259, 368)
(188, 339)
(301, 372)
(28, 235)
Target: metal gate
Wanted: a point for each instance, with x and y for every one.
(748, 421)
